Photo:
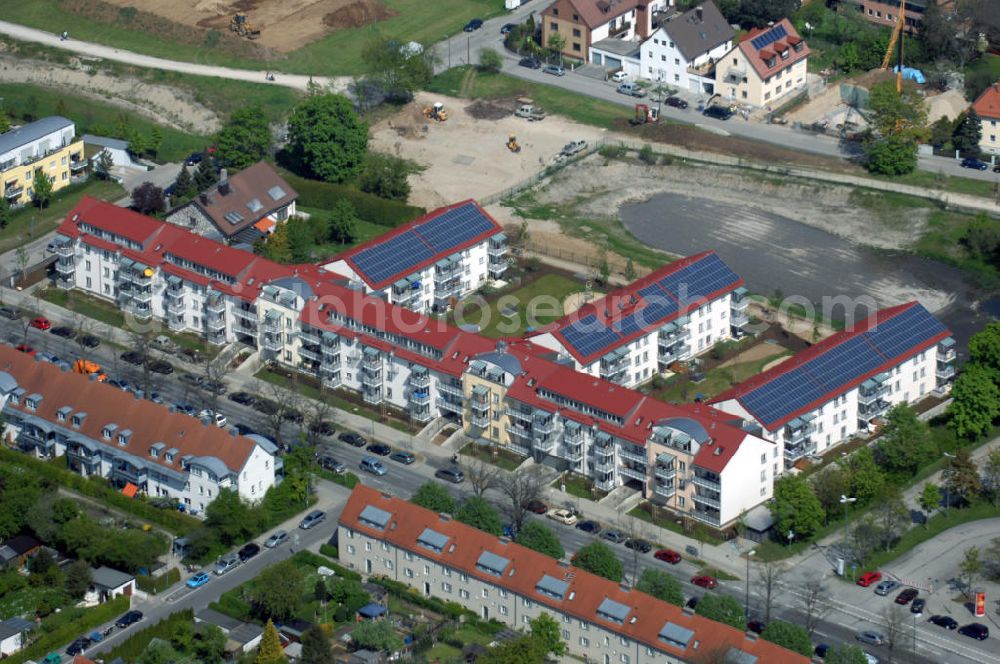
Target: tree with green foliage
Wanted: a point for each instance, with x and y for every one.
(478, 513)
(828, 485)
(4, 121)
(546, 631)
(540, 538)
(315, 646)
(889, 515)
(890, 155)
(232, 518)
(277, 592)
(350, 594)
(4, 213)
(326, 139)
(961, 475)
(386, 177)
(759, 13)
(41, 189)
(147, 198)
(434, 497)
(982, 239)
(244, 139)
(301, 239)
(721, 608)
(490, 61)
(968, 133)
(991, 475)
(897, 121)
(598, 558)
(377, 635)
(205, 175)
(524, 650)
(343, 223)
(78, 579)
(795, 507)
(975, 401)
(660, 585)
(209, 644)
(970, 569)
(905, 444)
(845, 654)
(159, 652)
(984, 348)
(555, 43)
(184, 187)
(941, 132)
(929, 498)
(270, 651)
(787, 635)
(865, 478)
(396, 70)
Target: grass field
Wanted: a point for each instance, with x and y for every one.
(952, 183)
(365, 231)
(537, 303)
(679, 388)
(338, 53)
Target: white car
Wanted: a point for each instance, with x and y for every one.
(562, 516)
(218, 418)
(619, 76)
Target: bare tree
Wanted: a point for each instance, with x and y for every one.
(212, 371)
(769, 574)
(281, 401)
(81, 328)
(894, 624)
(317, 412)
(630, 528)
(815, 603)
(482, 476)
(140, 344)
(21, 256)
(520, 488)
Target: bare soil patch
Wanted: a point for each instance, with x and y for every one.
(357, 14)
(489, 110)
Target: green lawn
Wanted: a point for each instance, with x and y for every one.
(668, 520)
(943, 242)
(537, 303)
(340, 52)
(503, 459)
(95, 117)
(366, 231)
(579, 486)
(30, 222)
(679, 388)
(85, 305)
(952, 183)
(445, 652)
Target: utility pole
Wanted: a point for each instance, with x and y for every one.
(846, 502)
(746, 608)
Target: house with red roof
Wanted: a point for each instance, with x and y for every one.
(765, 68)
(435, 555)
(583, 23)
(987, 106)
(845, 384)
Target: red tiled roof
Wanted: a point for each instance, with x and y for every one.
(595, 13)
(118, 220)
(646, 615)
(988, 103)
(757, 57)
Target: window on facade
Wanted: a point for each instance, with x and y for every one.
(553, 26)
(445, 586)
(408, 573)
(464, 594)
(576, 33)
(585, 642)
(368, 546)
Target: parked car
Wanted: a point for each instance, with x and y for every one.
(379, 449)
(293, 415)
(473, 25)
(588, 526)
(41, 323)
(907, 596)
(89, 341)
(977, 631)
(64, 331)
(692, 602)
(227, 563)
(555, 70)
(886, 587)
(276, 540)
(453, 475)
(530, 63)
(25, 348)
(78, 646)
(185, 408)
(631, 89)
(718, 112)
(869, 578)
(372, 465)
(243, 398)
(249, 550)
(870, 637)
(756, 626)
(405, 458)
(996, 168)
(562, 516)
(917, 608)
(352, 439)
(619, 76)
(198, 580)
(944, 621)
(676, 102)
(214, 386)
(615, 536)
(209, 415)
(329, 463)
(536, 507)
(130, 618)
(668, 556)
(640, 545)
(312, 519)
(821, 650)
(972, 162)
(191, 379)
(194, 158)
(131, 357)
(322, 428)
(506, 28)
(161, 367)
(10, 313)
(704, 581)
(573, 147)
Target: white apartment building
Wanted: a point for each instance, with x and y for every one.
(841, 386)
(432, 262)
(668, 316)
(766, 67)
(683, 51)
(599, 619)
(138, 445)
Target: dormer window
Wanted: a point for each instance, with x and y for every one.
(109, 431)
(33, 401)
(799, 46)
(17, 395)
(784, 54)
(78, 419)
(124, 437)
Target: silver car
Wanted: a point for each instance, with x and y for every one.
(871, 637)
(276, 539)
(312, 519)
(886, 587)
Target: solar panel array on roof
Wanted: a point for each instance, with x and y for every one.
(842, 364)
(400, 255)
(234, 217)
(432, 540)
(552, 587)
(492, 563)
(374, 517)
(769, 37)
(736, 656)
(660, 300)
(614, 611)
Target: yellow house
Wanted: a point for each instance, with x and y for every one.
(766, 68)
(48, 145)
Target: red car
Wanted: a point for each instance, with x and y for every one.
(25, 348)
(704, 581)
(668, 556)
(41, 323)
(536, 507)
(869, 578)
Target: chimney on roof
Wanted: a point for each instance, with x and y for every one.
(700, 13)
(223, 182)
(688, 611)
(445, 516)
(203, 197)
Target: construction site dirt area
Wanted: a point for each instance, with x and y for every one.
(285, 25)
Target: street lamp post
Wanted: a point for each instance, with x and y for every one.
(846, 502)
(947, 497)
(746, 607)
(449, 50)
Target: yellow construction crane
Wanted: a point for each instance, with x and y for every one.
(897, 35)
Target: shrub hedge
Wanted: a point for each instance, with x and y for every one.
(71, 623)
(313, 193)
(154, 585)
(135, 645)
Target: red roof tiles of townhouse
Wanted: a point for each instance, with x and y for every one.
(645, 617)
(757, 57)
(103, 404)
(988, 103)
(595, 13)
(118, 220)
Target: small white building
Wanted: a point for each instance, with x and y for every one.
(110, 583)
(116, 148)
(12, 635)
(683, 51)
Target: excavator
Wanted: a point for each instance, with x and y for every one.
(897, 35)
(436, 112)
(644, 114)
(512, 144)
(241, 26)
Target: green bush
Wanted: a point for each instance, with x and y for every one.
(71, 623)
(310, 558)
(646, 154)
(232, 605)
(154, 585)
(130, 649)
(403, 591)
(369, 207)
(329, 551)
(350, 480)
(612, 151)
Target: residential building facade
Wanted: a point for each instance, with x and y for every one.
(765, 68)
(886, 12)
(106, 432)
(600, 620)
(987, 106)
(49, 146)
(580, 23)
(684, 49)
(846, 384)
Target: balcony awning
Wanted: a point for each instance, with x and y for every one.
(869, 384)
(174, 280)
(669, 328)
(740, 292)
(272, 314)
(330, 336)
(499, 237)
(371, 352)
(129, 490)
(665, 457)
(477, 365)
(795, 423)
(807, 418)
(402, 284)
(444, 263)
(126, 262)
(947, 343)
(881, 378)
(480, 391)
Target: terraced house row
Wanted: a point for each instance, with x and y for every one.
(561, 396)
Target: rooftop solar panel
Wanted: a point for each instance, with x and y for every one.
(902, 332)
(769, 37)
